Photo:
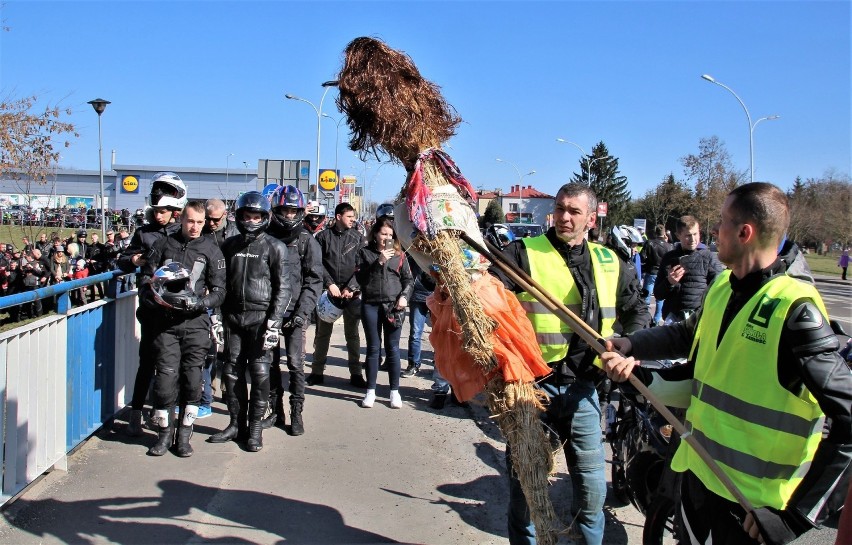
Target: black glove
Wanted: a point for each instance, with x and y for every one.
(773, 528)
(190, 304)
(297, 322)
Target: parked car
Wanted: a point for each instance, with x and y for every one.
(521, 230)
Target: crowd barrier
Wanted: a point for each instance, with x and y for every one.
(62, 377)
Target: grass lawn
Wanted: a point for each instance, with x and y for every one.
(13, 233)
(824, 264)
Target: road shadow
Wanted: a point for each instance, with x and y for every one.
(236, 516)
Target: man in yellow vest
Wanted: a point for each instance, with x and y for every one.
(592, 281)
(763, 374)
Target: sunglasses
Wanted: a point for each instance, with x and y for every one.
(214, 220)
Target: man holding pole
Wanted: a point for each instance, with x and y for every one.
(762, 375)
(591, 280)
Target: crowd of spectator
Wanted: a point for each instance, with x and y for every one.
(52, 259)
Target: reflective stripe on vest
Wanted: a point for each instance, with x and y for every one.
(548, 268)
(763, 436)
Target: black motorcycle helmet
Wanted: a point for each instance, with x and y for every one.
(252, 201)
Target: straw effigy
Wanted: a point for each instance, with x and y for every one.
(391, 109)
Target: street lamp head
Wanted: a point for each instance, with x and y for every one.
(771, 117)
(291, 97)
(330, 83)
(530, 173)
(708, 78)
(562, 140)
(99, 105)
(499, 160)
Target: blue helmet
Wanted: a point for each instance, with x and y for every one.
(287, 197)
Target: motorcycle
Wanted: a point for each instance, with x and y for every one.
(643, 444)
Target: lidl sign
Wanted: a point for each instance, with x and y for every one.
(328, 180)
(130, 184)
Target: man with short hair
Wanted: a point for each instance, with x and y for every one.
(685, 272)
(340, 246)
(762, 377)
(592, 279)
(652, 255)
(180, 334)
(216, 222)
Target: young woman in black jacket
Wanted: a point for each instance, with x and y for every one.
(386, 283)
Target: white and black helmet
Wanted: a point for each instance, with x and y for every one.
(170, 287)
(168, 191)
(327, 310)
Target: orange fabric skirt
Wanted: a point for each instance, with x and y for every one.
(515, 349)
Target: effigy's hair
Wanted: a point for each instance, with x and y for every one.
(391, 108)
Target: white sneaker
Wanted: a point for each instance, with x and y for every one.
(369, 399)
(395, 399)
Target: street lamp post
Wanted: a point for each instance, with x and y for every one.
(99, 106)
(227, 168)
(328, 85)
(751, 125)
(245, 178)
(588, 161)
(520, 187)
(336, 149)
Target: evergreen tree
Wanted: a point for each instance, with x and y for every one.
(609, 186)
(493, 214)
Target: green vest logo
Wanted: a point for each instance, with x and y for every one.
(604, 256)
(759, 318)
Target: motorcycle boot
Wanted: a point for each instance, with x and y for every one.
(164, 423)
(276, 416)
(134, 425)
(255, 440)
(297, 427)
(184, 432)
(236, 428)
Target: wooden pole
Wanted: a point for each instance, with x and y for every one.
(593, 339)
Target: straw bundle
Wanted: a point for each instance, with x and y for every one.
(393, 110)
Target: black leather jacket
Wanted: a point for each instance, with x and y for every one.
(200, 255)
(339, 255)
(304, 263)
(142, 241)
(258, 280)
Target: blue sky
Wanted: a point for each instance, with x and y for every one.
(191, 82)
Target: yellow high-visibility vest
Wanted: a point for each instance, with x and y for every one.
(761, 434)
(548, 268)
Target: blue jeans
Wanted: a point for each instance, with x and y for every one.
(648, 284)
(418, 315)
(575, 415)
(373, 318)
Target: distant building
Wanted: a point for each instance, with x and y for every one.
(128, 186)
(520, 204)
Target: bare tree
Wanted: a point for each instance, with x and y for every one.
(27, 147)
(714, 177)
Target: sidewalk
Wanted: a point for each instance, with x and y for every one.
(377, 475)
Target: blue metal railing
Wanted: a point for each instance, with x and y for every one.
(63, 376)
